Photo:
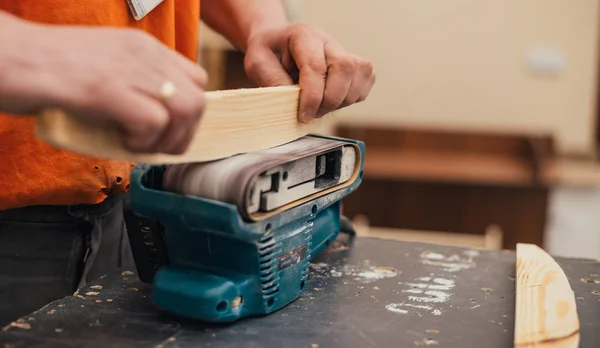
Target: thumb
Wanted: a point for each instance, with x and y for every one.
(265, 69)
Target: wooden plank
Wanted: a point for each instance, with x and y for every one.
(234, 122)
(545, 309)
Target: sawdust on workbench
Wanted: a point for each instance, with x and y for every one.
(426, 342)
(590, 280)
(19, 324)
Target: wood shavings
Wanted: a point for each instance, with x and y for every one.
(597, 293)
(92, 293)
(338, 246)
(590, 280)
(486, 289)
(109, 300)
(20, 325)
(433, 332)
(99, 301)
(126, 273)
(58, 330)
(426, 342)
(384, 270)
(51, 312)
(96, 287)
(133, 289)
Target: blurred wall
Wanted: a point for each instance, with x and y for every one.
(510, 65)
(507, 65)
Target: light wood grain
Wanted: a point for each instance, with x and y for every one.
(234, 122)
(545, 309)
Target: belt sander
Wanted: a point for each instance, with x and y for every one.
(233, 238)
(228, 229)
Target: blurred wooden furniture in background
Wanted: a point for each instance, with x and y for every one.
(461, 182)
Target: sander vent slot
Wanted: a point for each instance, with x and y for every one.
(271, 290)
(266, 264)
(269, 280)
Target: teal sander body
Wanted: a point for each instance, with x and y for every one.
(210, 260)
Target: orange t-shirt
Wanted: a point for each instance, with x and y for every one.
(34, 173)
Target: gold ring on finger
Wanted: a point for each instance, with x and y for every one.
(167, 91)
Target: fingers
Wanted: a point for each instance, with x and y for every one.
(362, 83)
(180, 113)
(192, 69)
(264, 69)
(185, 109)
(309, 54)
(339, 79)
(184, 106)
(330, 78)
(349, 79)
(143, 124)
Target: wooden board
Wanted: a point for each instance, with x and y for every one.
(234, 122)
(545, 309)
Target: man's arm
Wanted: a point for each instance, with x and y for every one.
(236, 20)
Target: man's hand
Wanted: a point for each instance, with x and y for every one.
(103, 75)
(329, 77)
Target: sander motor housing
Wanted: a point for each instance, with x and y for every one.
(206, 262)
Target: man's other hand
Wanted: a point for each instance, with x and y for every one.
(106, 76)
(329, 77)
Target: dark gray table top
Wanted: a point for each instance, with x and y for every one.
(375, 293)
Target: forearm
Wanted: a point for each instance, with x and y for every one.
(237, 20)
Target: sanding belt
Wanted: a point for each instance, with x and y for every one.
(230, 179)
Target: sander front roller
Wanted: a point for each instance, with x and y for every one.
(234, 238)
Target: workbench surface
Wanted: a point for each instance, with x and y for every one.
(374, 293)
